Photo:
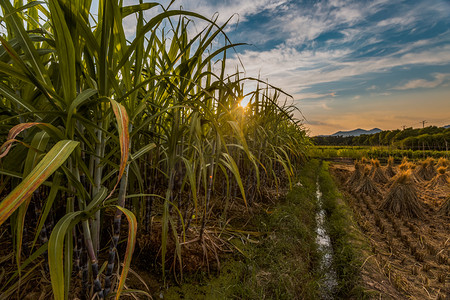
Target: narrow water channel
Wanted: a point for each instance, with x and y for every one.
(329, 281)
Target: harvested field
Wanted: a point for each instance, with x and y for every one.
(410, 253)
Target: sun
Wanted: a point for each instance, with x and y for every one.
(244, 103)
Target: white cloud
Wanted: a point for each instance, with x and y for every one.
(304, 96)
(439, 78)
(228, 8)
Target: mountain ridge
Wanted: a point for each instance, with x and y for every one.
(355, 132)
(359, 131)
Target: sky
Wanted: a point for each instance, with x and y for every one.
(347, 64)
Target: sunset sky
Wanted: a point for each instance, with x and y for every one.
(347, 64)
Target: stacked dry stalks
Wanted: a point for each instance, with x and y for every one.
(356, 175)
(402, 199)
(441, 179)
(367, 185)
(425, 170)
(389, 170)
(377, 174)
(443, 162)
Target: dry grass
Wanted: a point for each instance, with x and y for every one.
(405, 165)
(356, 175)
(402, 198)
(441, 179)
(443, 162)
(367, 185)
(445, 208)
(425, 170)
(389, 170)
(377, 174)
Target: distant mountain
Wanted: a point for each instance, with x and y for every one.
(447, 126)
(356, 132)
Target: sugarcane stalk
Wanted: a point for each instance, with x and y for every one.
(209, 190)
(116, 226)
(98, 172)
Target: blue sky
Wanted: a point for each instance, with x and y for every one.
(347, 64)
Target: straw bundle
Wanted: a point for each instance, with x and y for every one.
(402, 198)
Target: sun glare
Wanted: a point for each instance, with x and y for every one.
(243, 103)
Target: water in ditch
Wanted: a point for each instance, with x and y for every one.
(329, 281)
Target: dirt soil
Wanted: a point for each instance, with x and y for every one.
(409, 258)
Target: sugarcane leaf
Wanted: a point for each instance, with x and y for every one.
(39, 142)
(28, 5)
(132, 231)
(56, 250)
(16, 24)
(230, 163)
(46, 167)
(142, 151)
(124, 137)
(80, 189)
(98, 198)
(13, 132)
(66, 51)
(193, 184)
(13, 72)
(48, 204)
(79, 100)
(128, 10)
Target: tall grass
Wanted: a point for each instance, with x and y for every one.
(96, 125)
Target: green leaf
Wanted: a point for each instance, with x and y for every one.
(48, 204)
(232, 166)
(66, 51)
(13, 72)
(98, 198)
(28, 5)
(46, 167)
(128, 10)
(39, 142)
(79, 100)
(142, 151)
(16, 24)
(55, 251)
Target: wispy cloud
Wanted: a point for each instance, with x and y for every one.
(320, 123)
(229, 8)
(439, 79)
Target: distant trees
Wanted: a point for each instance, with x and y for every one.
(428, 138)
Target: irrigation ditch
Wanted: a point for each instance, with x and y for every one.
(329, 282)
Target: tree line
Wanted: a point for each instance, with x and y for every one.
(428, 138)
